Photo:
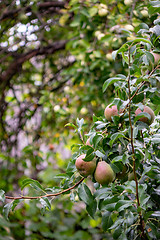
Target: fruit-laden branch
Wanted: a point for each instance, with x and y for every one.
(143, 235)
(47, 195)
(141, 85)
(41, 7)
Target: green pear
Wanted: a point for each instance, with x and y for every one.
(104, 173)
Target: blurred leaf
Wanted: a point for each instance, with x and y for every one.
(2, 195)
(123, 204)
(106, 220)
(6, 209)
(45, 202)
(70, 125)
(34, 183)
(110, 81)
(117, 223)
(15, 203)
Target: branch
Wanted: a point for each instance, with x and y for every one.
(141, 85)
(141, 227)
(17, 64)
(47, 195)
(41, 7)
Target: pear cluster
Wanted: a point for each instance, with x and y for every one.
(102, 171)
(111, 111)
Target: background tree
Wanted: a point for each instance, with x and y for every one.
(55, 57)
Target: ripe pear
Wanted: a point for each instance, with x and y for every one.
(145, 119)
(85, 168)
(104, 173)
(110, 111)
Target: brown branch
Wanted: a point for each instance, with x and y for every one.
(17, 64)
(47, 195)
(141, 227)
(41, 7)
(131, 13)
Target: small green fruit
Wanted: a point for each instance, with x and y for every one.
(128, 2)
(145, 119)
(102, 12)
(104, 173)
(85, 168)
(130, 176)
(123, 173)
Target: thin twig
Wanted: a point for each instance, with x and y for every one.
(143, 235)
(46, 195)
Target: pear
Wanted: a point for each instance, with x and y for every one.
(104, 173)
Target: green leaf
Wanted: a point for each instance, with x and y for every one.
(85, 12)
(101, 125)
(117, 159)
(28, 149)
(130, 218)
(115, 136)
(117, 232)
(131, 187)
(142, 114)
(85, 194)
(125, 57)
(117, 223)
(6, 209)
(110, 81)
(108, 203)
(89, 155)
(114, 54)
(155, 138)
(2, 195)
(99, 154)
(123, 204)
(34, 183)
(156, 214)
(80, 123)
(136, 40)
(97, 139)
(15, 203)
(122, 236)
(91, 208)
(106, 220)
(135, 132)
(45, 202)
(70, 125)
